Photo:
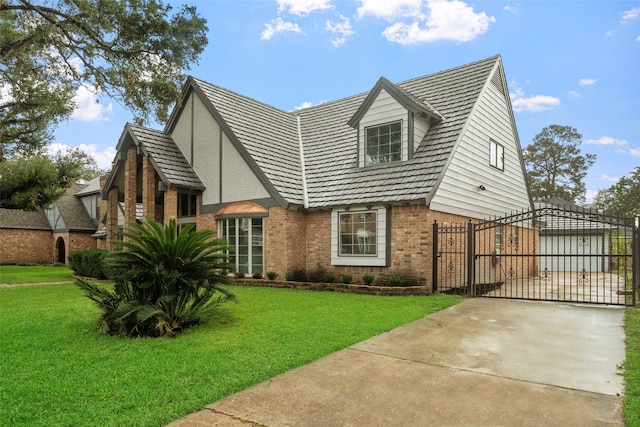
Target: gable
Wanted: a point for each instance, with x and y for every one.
(471, 185)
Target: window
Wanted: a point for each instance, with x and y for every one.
(499, 236)
(358, 233)
(245, 240)
(496, 155)
(383, 144)
(187, 204)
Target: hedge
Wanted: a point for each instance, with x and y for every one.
(88, 263)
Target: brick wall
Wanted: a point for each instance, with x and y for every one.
(285, 240)
(148, 189)
(170, 204)
(33, 246)
(130, 185)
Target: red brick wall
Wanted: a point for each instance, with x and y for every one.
(33, 246)
(170, 204)
(148, 189)
(130, 187)
(285, 240)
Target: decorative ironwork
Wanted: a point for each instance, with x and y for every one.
(583, 277)
(451, 267)
(513, 241)
(584, 241)
(451, 243)
(511, 275)
(545, 276)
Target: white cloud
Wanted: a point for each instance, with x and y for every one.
(88, 109)
(279, 26)
(341, 30)
(606, 140)
(605, 177)
(574, 94)
(391, 9)
(638, 39)
(102, 155)
(631, 14)
(447, 20)
(590, 195)
(509, 8)
(587, 82)
(303, 7)
(520, 102)
(635, 152)
(307, 104)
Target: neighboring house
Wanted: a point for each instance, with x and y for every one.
(47, 236)
(351, 186)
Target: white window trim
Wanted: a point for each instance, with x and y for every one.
(379, 260)
(402, 142)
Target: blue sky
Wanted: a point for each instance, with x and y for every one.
(574, 63)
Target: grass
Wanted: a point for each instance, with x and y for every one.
(632, 368)
(15, 274)
(59, 370)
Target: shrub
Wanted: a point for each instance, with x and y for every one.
(256, 275)
(346, 278)
(272, 275)
(88, 263)
(167, 281)
(239, 274)
(328, 277)
(288, 276)
(395, 281)
(368, 279)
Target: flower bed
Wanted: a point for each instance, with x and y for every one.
(338, 287)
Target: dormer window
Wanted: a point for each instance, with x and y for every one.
(383, 143)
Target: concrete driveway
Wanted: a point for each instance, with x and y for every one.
(484, 362)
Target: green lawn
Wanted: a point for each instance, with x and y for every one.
(632, 368)
(13, 274)
(58, 370)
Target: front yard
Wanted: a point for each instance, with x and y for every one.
(58, 369)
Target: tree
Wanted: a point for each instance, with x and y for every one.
(35, 182)
(165, 281)
(622, 198)
(555, 166)
(134, 51)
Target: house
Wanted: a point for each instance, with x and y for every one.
(350, 186)
(47, 236)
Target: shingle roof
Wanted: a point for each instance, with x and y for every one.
(73, 212)
(166, 157)
(270, 136)
(16, 218)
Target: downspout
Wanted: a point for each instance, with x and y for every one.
(305, 194)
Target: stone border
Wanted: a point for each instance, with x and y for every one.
(337, 287)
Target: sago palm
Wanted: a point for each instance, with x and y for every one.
(165, 280)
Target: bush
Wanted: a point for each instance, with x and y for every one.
(328, 277)
(395, 281)
(272, 275)
(167, 281)
(346, 278)
(239, 274)
(256, 275)
(88, 263)
(288, 276)
(368, 279)
(296, 276)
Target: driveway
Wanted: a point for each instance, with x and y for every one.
(483, 362)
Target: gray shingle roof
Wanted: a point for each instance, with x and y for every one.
(269, 135)
(16, 218)
(73, 212)
(166, 157)
(330, 144)
(270, 138)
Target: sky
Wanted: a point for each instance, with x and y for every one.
(570, 63)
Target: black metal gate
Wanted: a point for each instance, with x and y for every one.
(552, 253)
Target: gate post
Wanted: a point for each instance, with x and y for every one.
(635, 259)
(471, 258)
(434, 259)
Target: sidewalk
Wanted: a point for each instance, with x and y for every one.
(483, 362)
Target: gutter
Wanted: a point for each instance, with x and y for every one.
(305, 193)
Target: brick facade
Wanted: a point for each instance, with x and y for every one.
(27, 246)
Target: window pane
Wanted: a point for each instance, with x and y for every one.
(383, 144)
(358, 233)
(245, 240)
